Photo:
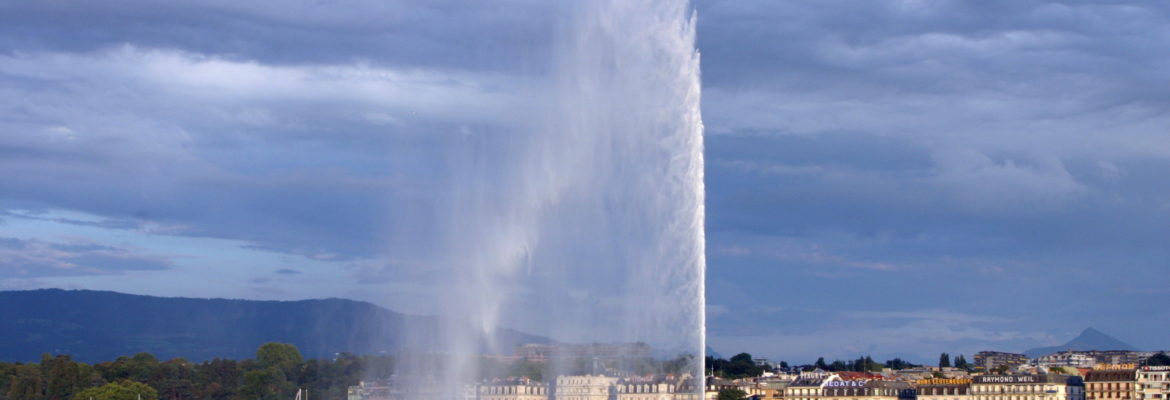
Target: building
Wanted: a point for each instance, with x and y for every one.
(944, 389)
(847, 386)
(585, 387)
(518, 389)
(604, 351)
(1153, 382)
(1027, 387)
(867, 389)
(773, 388)
(1111, 384)
(715, 385)
(364, 391)
(410, 390)
(1119, 357)
(656, 389)
(987, 361)
(912, 374)
(807, 387)
(1066, 359)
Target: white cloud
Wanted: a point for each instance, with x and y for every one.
(976, 181)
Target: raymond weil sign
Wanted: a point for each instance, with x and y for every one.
(1006, 379)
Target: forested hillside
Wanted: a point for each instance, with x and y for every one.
(94, 326)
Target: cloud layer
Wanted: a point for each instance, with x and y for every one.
(903, 177)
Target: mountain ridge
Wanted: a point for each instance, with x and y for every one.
(1088, 339)
(97, 326)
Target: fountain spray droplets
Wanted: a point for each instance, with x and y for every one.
(585, 224)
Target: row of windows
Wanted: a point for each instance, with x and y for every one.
(512, 390)
(1109, 386)
(1051, 396)
(1012, 389)
(942, 390)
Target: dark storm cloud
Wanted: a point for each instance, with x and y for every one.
(419, 34)
(26, 259)
(905, 155)
(292, 159)
(901, 175)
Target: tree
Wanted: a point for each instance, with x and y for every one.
(961, 363)
(527, 369)
(740, 366)
(899, 363)
(731, 394)
(1158, 359)
(266, 384)
(123, 390)
(820, 363)
(279, 355)
(1002, 369)
(871, 365)
(63, 377)
(944, 360)
(269, 379)
(1057, 370)
(26, 384)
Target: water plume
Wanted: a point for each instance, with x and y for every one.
(585, 223)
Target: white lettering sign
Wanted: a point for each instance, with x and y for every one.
(857, 383)
(1007, 379)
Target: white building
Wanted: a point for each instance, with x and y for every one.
(1066, 359)
(1153, 383)
(585, 387)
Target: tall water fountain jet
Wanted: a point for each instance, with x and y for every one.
(585, 224)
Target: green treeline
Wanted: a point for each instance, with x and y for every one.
(275, 374)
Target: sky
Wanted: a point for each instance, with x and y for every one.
(885, 178)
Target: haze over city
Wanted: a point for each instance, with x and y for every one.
(885, 178)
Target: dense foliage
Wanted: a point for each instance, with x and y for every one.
(740, 366)
(276, 373)
(731, 394)
(1158, 359)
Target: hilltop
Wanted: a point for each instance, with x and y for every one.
(1089, 339)
(100, 326)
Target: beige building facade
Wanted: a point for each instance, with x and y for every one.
(661, 390)
(944, 389)
(866, 389)
(1027, 387)
(585, 387)
(986, 361)
(1111, 384)
(807, 387)
(520, 390)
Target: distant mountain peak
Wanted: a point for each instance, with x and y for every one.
(1089, 339)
